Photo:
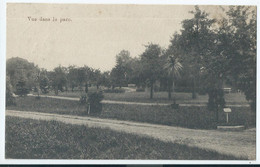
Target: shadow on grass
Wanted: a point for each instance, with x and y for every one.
(34, 139)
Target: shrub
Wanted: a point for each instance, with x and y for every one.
(94, 101)
(83, 99)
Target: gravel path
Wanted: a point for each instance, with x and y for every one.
(236, 143)
(139, 103)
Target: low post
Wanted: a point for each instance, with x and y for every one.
(227, 117)
(227, 110)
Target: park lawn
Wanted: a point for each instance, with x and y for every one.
(188, 117)
(159, 97)
(35, 139)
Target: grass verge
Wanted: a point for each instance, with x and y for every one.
(34, 139)
(159, 97)
(188, 117)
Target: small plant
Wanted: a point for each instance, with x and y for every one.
(83, 99)
(94, 101)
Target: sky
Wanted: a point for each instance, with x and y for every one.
(93, 34)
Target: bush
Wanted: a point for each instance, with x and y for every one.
(83, 99)
(94, 101)
(114, 90)
(10, 99)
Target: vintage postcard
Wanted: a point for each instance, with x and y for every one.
(130, 82)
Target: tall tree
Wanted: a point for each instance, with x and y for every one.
(241, 50)
(151, 65)
(193, 44)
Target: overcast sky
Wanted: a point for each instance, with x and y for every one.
(95, 34)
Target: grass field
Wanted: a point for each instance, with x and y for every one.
(160, 97)
(189, 117)
(34, 139)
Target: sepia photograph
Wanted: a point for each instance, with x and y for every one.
(130, 82)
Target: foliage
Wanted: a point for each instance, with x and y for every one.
(58, 79)
(72, 77)
(44, 85)
(241, 50)
(9, 97)
(173, 68)
(20, 70)
(94, 100)
(118, 76)
(151, 65)
(83, 99)
(21, 89)
(193, 45)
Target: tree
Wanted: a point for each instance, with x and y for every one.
(97, 78)
(117, 76)
(44, 81)
(72, 77)
(105, 79)
(241, 50)
(20, 72)
(173, 68)
(58, 79)
(193, 44)
(213, 75)
(124, 61)
(151, 65)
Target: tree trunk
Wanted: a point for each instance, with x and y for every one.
(194, 95)
(169, 90)
(86, 87)
(217, 115)
(56, 91)
(151, 92)
(173, 86)
(38, 91)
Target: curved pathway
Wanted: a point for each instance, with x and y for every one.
(240, 144)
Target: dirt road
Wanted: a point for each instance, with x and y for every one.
(235, 143)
